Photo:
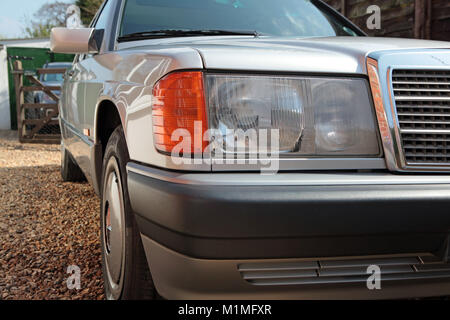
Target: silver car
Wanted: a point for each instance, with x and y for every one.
(259, 149)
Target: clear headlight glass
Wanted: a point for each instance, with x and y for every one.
(313, 116)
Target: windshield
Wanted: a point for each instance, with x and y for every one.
(302, 18)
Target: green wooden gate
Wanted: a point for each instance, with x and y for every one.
(40, 57)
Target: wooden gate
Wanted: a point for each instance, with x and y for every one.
(36, 122)
(422, 19)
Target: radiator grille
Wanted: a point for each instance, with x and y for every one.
(347, 270)
(422, 100)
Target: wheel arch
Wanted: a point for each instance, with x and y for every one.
(107, 118)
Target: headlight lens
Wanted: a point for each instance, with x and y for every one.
(261, 103)
(313, 116)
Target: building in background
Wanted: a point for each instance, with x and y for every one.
(422, 19)
(5, 114)
(5, 85)
(38, 53)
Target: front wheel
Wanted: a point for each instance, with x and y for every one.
(125, 269)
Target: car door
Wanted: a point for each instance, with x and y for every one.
(79, 76)
(85, 81)
(72, 112)
(95, 73)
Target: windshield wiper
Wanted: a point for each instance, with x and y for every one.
(170, 33)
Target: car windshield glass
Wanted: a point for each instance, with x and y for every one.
(302, 18)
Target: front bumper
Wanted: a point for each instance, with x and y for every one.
(200, 229)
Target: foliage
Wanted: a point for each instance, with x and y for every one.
(38, 30)
(48, 16)
(88, 9)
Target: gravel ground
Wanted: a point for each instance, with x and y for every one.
(46, 225)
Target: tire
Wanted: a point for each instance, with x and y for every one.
(70, 171)
(125, 270)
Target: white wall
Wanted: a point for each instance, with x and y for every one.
(26, 43)
(5, 117)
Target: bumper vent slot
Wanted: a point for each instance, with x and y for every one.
(343, 271)
(422, 100)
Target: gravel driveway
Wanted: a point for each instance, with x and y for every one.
(46, 225)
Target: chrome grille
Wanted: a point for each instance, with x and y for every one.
(422, 99)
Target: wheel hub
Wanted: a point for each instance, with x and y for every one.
(113, 227)
(108, 229)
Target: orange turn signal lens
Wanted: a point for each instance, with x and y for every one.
(179, 103)
(372, 69)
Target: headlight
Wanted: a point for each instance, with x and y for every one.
(313, 116)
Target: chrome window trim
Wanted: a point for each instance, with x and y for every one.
(97, 14)
(112, 39)
(118, 24)
(388, 61)
(107, 43)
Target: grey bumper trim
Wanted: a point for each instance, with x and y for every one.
(221, 279)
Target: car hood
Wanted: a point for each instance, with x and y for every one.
(329, 54)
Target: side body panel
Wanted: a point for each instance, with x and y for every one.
(72, 116)
(125, 78)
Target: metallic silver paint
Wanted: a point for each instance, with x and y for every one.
(344, 55)
(126, 76)
(328, 55)
(64, 40)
